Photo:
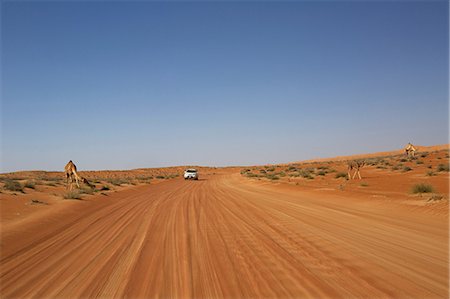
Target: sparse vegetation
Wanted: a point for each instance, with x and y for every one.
(431, 173)
(116, 181)
(436, 197)
(321, 172)
(12, 185)
(30, 184)
(443, 167)
(72, 195)
(272, 177)
(364, 184)
(406, 169)
(422, 188)
(86, 190)
(341, 175)
(105, 188)
(37, 202)
(244, 171)
(251, 175)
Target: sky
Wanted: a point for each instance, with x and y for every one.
(123, 85)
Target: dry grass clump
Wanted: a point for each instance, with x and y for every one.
(30, 184)
(341, 175)
(422, 188)
(443, 167)
(12, 185)
(74, 194)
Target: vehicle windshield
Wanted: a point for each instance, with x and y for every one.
(191, 170)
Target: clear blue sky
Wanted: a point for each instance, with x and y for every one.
(119, 85)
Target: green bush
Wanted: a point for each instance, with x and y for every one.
(321, 172)
(406, 168)
(105, 188)
(422, 188)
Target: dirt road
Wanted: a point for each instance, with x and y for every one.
(226, 236)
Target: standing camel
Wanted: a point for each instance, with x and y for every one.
(72, 176)
(357, 165)
(410, 150)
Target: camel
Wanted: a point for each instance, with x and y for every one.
(357, 165)
(410, 150)
(73, 176)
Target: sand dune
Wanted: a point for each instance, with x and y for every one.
(226, 236)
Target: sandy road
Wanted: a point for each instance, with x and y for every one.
(225, 236)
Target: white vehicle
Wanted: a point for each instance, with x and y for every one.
(191, 174)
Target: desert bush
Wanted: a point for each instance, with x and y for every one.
(272, 177)
(443, 167)
(306, 173)
(341, 175)
(435, 197)
(262, 171)
(37, 202)
(86, 190)
(244, 171)
(75, 194)
(105, 188)
(406, 168)
(422, 188)
(431, 173)
(160, 177)
(419, 162)
(364, 184)
(291, 168)
(116, 181)
(251, 175)
(29, 184)
(423, 155)
(13, 186)
(403, 160)
(321, 172)
(394, 168)
(271, 169)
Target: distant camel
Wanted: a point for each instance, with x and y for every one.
(410, 150)
(357, 165)
(72, 176)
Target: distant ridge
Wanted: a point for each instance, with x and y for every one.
(420, 148)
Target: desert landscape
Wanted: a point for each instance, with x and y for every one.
(297, 230)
